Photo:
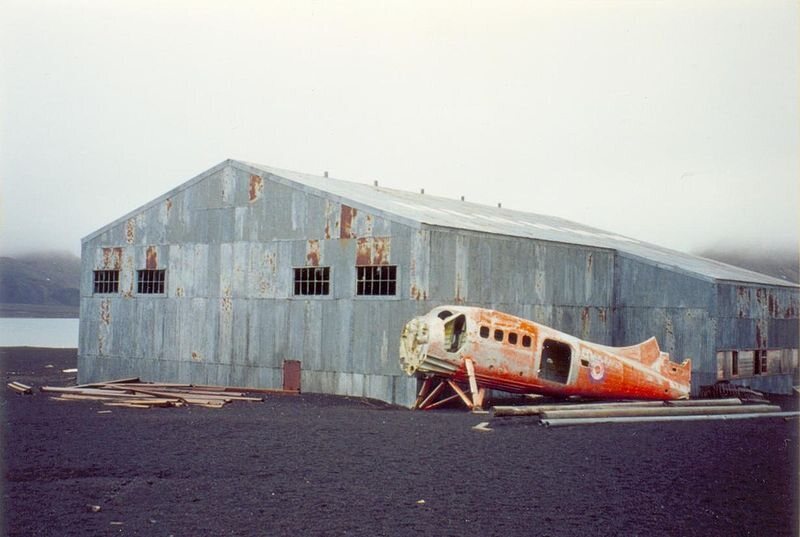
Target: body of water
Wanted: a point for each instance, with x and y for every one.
(23, 332)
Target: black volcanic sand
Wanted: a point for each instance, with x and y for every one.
(322, 465)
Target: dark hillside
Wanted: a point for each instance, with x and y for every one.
(783, 264)
(44, 281)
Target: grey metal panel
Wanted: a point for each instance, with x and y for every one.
(644, 285)
(433, 210)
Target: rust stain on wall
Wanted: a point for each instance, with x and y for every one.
(414, 292)
(312, 253)
(347, 218)
(373, 250)
(168, 203)
(112, 259)
(130, 230)
(256, 187)
(602, 313)
(382, 249)
(761, 340)
(364, 251)
(105, 312)
(151, 262)
(585, 321)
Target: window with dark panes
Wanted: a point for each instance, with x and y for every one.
(106, 281)
(150, 282)
(376, 280)
(312, 281)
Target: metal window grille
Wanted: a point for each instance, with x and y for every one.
(150, 282)
(376, 280)
(312, 281)
(106, 281)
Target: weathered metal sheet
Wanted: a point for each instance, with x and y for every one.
(495, 350)
(229, 242)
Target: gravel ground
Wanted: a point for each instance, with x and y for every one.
(323, 465)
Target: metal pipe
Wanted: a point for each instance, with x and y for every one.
(533, 410)
(661, 411)
(563, 422)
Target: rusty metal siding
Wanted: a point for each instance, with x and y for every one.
(229, 243)
(758, 317)
(672, 306)
(565, 286)
(230, 238)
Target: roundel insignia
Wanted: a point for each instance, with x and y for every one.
(597, 369)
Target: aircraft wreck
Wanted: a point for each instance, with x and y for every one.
(453, 347)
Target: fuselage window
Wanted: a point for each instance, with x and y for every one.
(526, 341)
(484, 331)
(498, 335)
(512, 338)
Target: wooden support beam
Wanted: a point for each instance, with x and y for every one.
(473, 383)
(431, 396)
(460, 393)
(423, 391)
(441, 402)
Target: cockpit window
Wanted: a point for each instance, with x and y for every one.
(454, 329)
(444, 314)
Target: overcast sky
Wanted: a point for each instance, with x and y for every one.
(672, 122)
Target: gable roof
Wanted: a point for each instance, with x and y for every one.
(457, 214)
(418, 209)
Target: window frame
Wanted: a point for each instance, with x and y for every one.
(112, 282)
(162, 281)
(325, 281)
(373, 296)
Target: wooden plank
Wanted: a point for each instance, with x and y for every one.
(460, 393)
(441, 402)
(423, 391)
(431, 396)
(89, 391)
(473, 383)
(271, 391)
(116, 381)
(19, 387)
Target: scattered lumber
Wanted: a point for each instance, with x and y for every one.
(133, 393)
(20, 387)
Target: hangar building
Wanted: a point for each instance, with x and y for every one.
(248, 275)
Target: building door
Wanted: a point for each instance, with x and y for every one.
(291, 375)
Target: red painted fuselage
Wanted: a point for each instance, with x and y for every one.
(520, 356)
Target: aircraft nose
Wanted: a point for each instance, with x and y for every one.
(413, 344)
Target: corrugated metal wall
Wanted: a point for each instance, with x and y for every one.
(229, 240)
(674, 307)
(229, 243)
(759, 317)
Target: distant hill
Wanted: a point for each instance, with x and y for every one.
(44, 284)
(780, 264)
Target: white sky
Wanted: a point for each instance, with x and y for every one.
(672, 122)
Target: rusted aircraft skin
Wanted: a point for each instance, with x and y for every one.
(520, 356)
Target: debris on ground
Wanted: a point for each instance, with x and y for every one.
(725, 388)
(132, 393)
(20, 387)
